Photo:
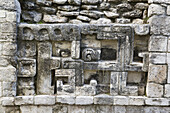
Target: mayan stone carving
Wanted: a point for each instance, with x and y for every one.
(84, 56)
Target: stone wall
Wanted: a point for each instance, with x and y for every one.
(84, 56)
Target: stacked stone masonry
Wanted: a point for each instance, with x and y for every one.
(84, 56)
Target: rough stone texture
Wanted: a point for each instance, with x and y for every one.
(155, 9)
(99, 67)
(154, 90)
(157, 73)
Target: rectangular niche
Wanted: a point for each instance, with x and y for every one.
(109, 49)
(137, 79)
(140, 45)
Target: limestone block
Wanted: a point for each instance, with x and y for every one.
(84, 100)
(122, 20)
(44, 109)
(90, 1)
(104, 109)
(103, 99)
(9, 49)
(167, 90)
(142, 29)
(60, 109)
(159, 1)
(9, 88)
(157, 101)
(75, 2)
(8, 73)
(158, 43)
(75, 49)
(110, 14)
(136, 100)
(154, 90)
(92, 13)
(114, 83)
(8, 101)
(76, 109)
(28, 109)
(168, 44)
(157, 58)
(33, 16)
(133, 14)
(0, 89)
(155, 9)
(160, 25)
(8, 27)
(11, 17)
(24, 100)
(157, 73)
(90, 109)
(168, 10)
(44, 100)
(119, 109)
(121, 100)
(27, 67)
(168, 77)
(65, 99)
(59, 1)
(3, 14)
(54, 18)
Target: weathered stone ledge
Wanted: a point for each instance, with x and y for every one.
(84, 100)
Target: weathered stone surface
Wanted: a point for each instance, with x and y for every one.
(103, 99)
(90, 1)
(83, 18)
(154, 90)
(60, 1)
(122, 20)
(65, 13)
(44, 100)
(28, 109)
(135, 13)
(32, 16)
(84, 100)
(157, 73)
(104, 5)
(68, 8)
(54, 18)
(168, 10)
(75, 2)
(92, 13)
(158, 43)
(24, 100)
(141, 6)
(8, 101)
(142, 29)
(27, 68)
(121, 100)
(157, 58)
(160, 25)
(111, 14)
(65, 99)
(157, 101)
(167, 90)
(49, 10)
(159, 1)
(155, 9)
(136, 100)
